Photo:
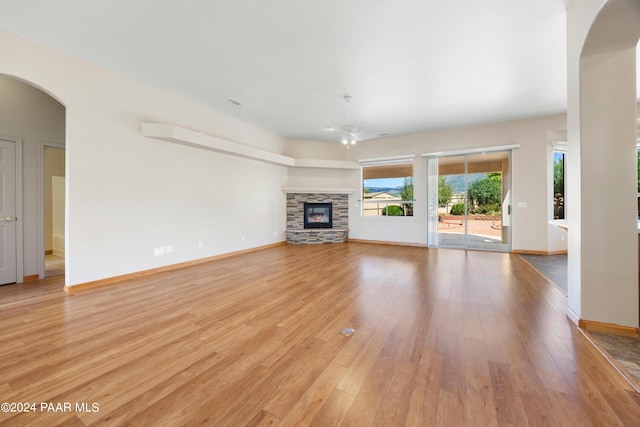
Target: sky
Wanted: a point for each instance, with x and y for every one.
(384, 182)
(557, 155)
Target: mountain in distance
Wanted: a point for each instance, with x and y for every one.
(457, 181)
(394, 191)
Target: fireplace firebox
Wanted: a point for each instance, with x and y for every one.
(318, 215)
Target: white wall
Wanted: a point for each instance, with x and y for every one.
(35, 117)
(127, 194)
(316, 177)
(531, 165)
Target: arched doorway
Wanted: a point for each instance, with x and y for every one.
(37, 120)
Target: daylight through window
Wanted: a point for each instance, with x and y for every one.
(558, 184)
(387, 188)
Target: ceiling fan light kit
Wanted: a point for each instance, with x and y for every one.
(349, 130)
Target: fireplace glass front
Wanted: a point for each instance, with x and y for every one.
(318, 215)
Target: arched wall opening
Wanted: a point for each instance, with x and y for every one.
(37, 121)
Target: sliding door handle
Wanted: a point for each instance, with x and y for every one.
(8, 219)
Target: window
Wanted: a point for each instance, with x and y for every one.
(558, 184)
(559, 154)
(387, 187)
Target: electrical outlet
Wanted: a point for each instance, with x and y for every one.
(158, 251)
(243, 238)
(200, 245)
(168, 249)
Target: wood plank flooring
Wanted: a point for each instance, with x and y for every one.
(443, 337)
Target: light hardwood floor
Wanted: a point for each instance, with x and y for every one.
(443, 337)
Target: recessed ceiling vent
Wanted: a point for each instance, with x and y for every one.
(233, 101)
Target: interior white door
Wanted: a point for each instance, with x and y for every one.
(8, 262)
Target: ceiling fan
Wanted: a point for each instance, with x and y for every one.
(349, 131)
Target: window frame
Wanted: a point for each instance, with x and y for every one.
(559, 147)
(390, 162)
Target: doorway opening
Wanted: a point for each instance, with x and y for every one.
(54, 209)
(30, 120)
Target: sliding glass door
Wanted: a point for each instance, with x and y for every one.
(473, 201)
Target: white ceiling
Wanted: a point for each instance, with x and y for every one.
(410, 65)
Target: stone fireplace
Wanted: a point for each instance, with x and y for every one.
(317, 218)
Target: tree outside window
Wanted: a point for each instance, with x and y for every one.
(558, 185)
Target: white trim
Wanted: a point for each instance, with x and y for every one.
(318, 190)
(19, 214)
(203, 141)
(560, 146)
(388, 160)
(325, 164)
(473, 150)
(573, 317)
(431, 217)
(190, 138)
(40, 209)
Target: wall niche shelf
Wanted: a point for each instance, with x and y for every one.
(203, 141)
(182, 136)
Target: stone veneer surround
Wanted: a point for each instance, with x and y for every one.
(297, 234)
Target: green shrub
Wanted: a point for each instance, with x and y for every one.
(491, 209)
(392, 210)
(457, 209)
